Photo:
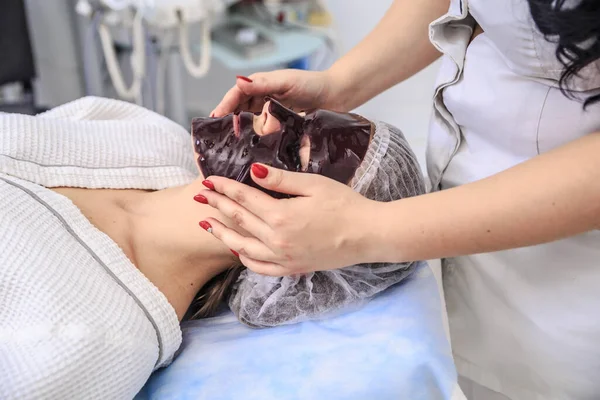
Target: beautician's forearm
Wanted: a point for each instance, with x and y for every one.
(395, 50)
(550, 197)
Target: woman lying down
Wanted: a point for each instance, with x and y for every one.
(101, 255)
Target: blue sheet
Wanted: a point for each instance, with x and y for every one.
(392, 347)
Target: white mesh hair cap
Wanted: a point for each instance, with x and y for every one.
(389, 171)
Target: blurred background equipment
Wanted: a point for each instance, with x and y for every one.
(155, 53)
(132, 23)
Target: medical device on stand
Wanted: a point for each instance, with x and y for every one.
(149, 45)
(141, 26)
(310, 16)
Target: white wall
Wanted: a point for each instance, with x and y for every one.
(407, 105)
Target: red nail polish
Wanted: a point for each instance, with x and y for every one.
(212, 114)
(206, 226)
(208, 184)
(235, 253)
(201, 199)
(244, 78)
(259, 171)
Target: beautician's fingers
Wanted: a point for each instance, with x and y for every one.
(245, 246)
(301, 89)
(254, 104)
(293, 183)
(264, 268)
(252, 199)
(237, 213)
(231, 102)
(247, 94)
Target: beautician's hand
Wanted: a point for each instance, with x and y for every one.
(300, 90)
(319, 230)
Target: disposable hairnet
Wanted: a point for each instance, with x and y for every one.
(389, 171)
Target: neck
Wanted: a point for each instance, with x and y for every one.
(168, 246)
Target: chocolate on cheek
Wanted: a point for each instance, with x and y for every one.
(338, 143)
(229, 145)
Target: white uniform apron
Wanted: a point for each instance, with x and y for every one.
(524, 323)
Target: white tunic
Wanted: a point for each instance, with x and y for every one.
(77, 319)
(524, 323)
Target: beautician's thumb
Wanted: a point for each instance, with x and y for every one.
(278, 180)
(265, 83)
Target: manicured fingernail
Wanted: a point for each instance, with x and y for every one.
(206, 226)
(201, 199)
(244, 78)
(280, 17)
(208, 184)
(259, 171)
(235, 253)
(212, 114)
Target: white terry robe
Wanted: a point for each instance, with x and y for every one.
(77, 318)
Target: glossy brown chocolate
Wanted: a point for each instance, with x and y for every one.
(229, 145)
(338, 143)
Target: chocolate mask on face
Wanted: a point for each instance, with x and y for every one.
(229, 145)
